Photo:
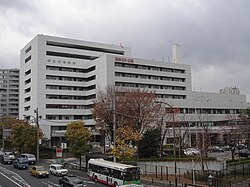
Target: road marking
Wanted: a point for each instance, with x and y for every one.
(14, 177)
(50, 184)
(10, 179)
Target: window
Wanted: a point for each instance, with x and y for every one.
(26, 108)
(27, 72)
(28, 59)
(28, 81)
(28, 49)
(27, 90)
(26, 99)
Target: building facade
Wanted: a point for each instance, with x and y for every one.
(9, 92)
(61, 78)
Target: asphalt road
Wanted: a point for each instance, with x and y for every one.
(5, 181)
(23, 178)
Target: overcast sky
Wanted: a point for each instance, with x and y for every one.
(214, 34)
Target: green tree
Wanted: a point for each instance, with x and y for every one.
(5, 123)
(24, 136)
(149, 145)
(78, 138)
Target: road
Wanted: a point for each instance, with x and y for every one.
(5, 181)
(10, 176)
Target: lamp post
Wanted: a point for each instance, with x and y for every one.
(173, 127)
(112, 109)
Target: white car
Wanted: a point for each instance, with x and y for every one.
(191, 151)
(58, 169)
(31, 158)
(10, 154)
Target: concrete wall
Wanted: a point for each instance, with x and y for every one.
(182, 167)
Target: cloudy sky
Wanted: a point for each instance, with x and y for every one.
(214, 34)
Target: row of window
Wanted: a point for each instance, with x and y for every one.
(153, 68)
(69, 117)
(72, 88)
(170, 96)
(89, 97)
(59, 61)
(82, 47)
(208, 111)
(10, 105)
(141, 76)
(10, 81)
(138, 85)
(66, 69)
(9, 100)
(9, 71)
(10, 95)
(57, 106)
(10, 86)
(70, 55)
(9, 110)
(68, 97)
(64, 78)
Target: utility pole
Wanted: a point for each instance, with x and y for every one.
(3, 137)
(37, 135)
(114, 123)
(173, 127)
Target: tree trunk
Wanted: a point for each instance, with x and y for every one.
(80, 164)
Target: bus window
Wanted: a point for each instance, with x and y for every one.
(131, 176)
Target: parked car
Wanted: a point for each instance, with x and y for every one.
(241, 146)
(71, 181)
(215, 149)
(10, 154)
(21, 163)
(39, 171)
(58, 169)
(31, 158)
(191, 151)
(5, 159)
(243, 153)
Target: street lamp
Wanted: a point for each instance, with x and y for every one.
(173, 127)
(37, 132)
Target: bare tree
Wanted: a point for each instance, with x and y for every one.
(132, 107)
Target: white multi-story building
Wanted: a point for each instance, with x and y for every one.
(61, 77)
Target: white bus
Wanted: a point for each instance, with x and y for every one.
(112, 173)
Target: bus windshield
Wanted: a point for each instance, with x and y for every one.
(132, 175)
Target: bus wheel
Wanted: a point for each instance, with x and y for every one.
(115, 184)
(95, 179)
